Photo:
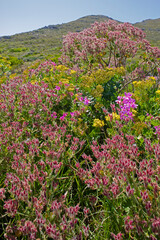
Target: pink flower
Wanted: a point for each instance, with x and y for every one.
(81, 99)
(86, 101)
(57, 88)
(2, 192)
(117, 237)
(54, 115)
(63, 116)
(72, 114)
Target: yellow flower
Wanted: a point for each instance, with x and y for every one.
(12, 75)
(61, 67)
(72, 72)
(76, 96)
(64, 81)
(80, 120)
(46, 79)
(114, 116)
(98, 123)
(33, 82)
(134, 112)
(107, 118)
(152, 78)
(70, 87)
(158, 92)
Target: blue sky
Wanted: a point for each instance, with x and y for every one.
(25, 15)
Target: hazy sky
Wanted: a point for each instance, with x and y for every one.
(25, 15)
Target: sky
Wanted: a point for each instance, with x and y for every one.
(18, 16)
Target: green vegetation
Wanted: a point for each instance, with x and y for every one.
(80, 141)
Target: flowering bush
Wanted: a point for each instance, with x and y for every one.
(110, 44)
(145, 92)
(47, 169)
(36, 145)
(128, 182)
(50, 73)
(102, 85)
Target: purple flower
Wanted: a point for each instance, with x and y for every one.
(58, 88)
(63, 116)
(86, 101)
(54, 115)
(157, 130)
(72, 114)
(126, 104)
(81, 99)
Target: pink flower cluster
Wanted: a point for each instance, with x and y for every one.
(127, 104)
(157, 130)
(36, 147)
(108, 43)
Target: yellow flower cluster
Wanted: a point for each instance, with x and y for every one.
(92, 83)
(5, 67)
(98, 123)
(71, 87)
(158, 92)
(114, 116)
(101, 76)
(33, 82)
(97, 92)
(61, 68)
(142, 87)
(4, 61)
(65, 81)
(145, 84)
(72, 72)
(134, 112)
(158, 96)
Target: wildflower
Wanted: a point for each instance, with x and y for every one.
(54, 115)
(33, 82)
(134, 112)
(63, 116)
(127, 105)
(128, 224)
(72, 72)
(61, 68)
(157, 130)
(86, 211)
(57, 88)
(117, 237)
(70, 87)
(2, 193)
(72, 114)
(81, 99)
(158, 92)
(98, 123)
(86, 101)
(65, 81)
(113, 116)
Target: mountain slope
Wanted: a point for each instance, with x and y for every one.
(45, 41)
(152, 30)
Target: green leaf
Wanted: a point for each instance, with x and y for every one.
(141, 118)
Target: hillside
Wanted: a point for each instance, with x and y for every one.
(46, 42)
(152, 30)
